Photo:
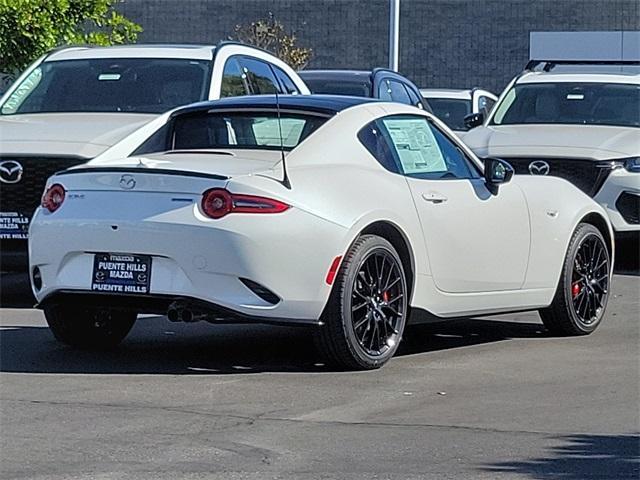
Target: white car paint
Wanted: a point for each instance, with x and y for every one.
(78, 134)
(337, 190)
(564, 141)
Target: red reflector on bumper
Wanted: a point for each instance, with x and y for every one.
(333, 270)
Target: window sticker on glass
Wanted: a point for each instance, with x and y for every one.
(267, 131)
(415, 145)
(22, 92)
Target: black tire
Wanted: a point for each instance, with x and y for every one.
(365, 335)
(89, 328)
(583, 291)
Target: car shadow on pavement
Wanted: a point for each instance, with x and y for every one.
(579, 457)
(157, 346)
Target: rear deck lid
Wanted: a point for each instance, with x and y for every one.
(169, 172)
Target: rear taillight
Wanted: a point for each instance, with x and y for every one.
(53, 197)
(218, 202)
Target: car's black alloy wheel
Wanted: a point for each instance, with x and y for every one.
(376, 302)
(366, 313)
(89, 328)
(583, 290)
(590, 279)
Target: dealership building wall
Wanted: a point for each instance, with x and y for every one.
(443, 43)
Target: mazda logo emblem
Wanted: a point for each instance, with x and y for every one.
(127, 182)
(539, 167)
(10, 171)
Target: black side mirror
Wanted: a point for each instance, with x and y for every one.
(473, 120)
(496, 172)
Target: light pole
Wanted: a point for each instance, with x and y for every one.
(394, 33)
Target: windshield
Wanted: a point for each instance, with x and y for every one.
(451, 111)
(570, 103)
(248, 130)
(355, 87)
(138, 85)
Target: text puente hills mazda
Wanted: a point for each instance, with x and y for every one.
(349, 215)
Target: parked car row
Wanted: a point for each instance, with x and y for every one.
(347, 209)
(74, 103)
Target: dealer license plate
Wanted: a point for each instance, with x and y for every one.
(13, 226)
(121, 273)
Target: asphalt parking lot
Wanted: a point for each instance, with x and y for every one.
(483, 398)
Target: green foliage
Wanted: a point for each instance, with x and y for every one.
(29, 28)
(270, 34)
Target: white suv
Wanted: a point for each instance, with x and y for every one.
(75, 102)
(576, 124)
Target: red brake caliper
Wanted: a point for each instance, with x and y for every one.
(575, 289)
(385, 296)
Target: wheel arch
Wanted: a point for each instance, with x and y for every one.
(601, 223)
(394, 235)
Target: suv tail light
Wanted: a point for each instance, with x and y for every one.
(218, 202)
(53, 197)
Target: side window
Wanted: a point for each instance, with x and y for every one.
(423, 151)
(23, 91)
(485, 104)
(259, 76)
(234, 83)
(413, 96)
(384, 91)
(373, 139)
(286, 83)
(267, 131)
(399, 93)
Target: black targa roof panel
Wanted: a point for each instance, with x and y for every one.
(323, 104)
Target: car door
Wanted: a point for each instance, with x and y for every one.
(476, 241)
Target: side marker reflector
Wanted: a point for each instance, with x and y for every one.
(333, 270)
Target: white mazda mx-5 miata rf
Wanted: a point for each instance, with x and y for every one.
(354, 216)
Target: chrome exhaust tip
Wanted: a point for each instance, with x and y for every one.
(173, 314)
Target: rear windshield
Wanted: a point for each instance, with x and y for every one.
(571, 103)
(138, 85)
(237, 130)
(451, 111)
(355, 87)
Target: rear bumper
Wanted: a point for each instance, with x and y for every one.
(620, 182)
(198, 259)
(159, 304)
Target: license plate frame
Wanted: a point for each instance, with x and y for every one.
(121, 273)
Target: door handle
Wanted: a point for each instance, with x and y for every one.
(434, 197)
